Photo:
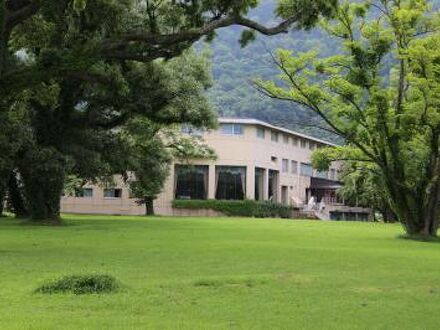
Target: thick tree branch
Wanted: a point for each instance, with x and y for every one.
(19, 11)
(156, 44)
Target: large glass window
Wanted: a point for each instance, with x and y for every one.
(261, 132)
(231, 129)
(230, 182)
(306, 169)
(259, 184)
(285, 166)
(273, 185)
(191, 181)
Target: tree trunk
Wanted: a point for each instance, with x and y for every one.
(15, 197)
(43, 183)
(2, 200)
(149, 205)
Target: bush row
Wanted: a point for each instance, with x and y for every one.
(244, 208)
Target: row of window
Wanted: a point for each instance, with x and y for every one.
(108, 193)
(294, 140)
(238, 129)
(192, 181)
(306, 170)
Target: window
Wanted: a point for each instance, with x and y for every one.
(274, 136)
(285, 166)
(230, 182)
(260, 132)
(84, 192)
(191, 181)
(231, 129)
(259, 184)
(191, 130)
(303, 143)
(322, 175)
(285, 138)
(332, 174)
(112, 193)
(294, 166)
(306, 170)
(294, 141)
(311, 145)
(273, 185)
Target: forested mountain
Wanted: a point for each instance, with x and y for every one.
(234, 67)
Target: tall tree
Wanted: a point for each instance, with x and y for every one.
(381, 94)
(85, 67)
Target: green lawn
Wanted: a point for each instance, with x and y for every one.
(193, 273)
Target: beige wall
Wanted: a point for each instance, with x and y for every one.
(232, 150)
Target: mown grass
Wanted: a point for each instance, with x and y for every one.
(191, 273)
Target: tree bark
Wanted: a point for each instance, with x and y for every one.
(15, 197)
(149, 205)
(2, 200)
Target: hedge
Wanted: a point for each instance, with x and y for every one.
(242, 208)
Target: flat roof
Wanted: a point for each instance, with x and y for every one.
(251, 121)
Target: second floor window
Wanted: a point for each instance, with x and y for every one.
(274, 136)
(306, 169)
(286, 138)
(294, 167)
(303, 143)
(285, 166)
(260, 132)
(231, 129)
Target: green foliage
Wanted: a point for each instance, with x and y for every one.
(381, 94)
(81, 284)
(234, 68)
(244, 208)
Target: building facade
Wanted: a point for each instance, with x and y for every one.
(255, 160)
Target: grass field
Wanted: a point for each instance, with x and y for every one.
(193, 273)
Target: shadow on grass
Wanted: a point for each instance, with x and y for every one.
(419, 238)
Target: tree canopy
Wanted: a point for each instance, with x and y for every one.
(381, 94)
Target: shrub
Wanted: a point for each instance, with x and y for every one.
(81, 284)
(244, 208)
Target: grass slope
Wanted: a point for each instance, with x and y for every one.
(220, 273)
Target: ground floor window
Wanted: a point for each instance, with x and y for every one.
(84, 192)
(112, 193)
(191, 181)
(259, 184)
(230, 182)
(273, 185)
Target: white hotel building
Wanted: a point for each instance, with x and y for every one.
(255, 160)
